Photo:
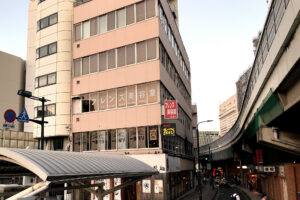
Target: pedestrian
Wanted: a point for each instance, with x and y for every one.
(264, 197)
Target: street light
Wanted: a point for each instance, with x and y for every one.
(198, 162)
(28, 94)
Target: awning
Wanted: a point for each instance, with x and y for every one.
(60, 166)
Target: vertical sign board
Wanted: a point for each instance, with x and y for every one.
(171, 111)
(259, 156)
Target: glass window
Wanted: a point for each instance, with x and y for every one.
(43, 51)
(36, 83)
(94, 141)
(52, 48)
(121, 97)
(42, 81)
(85, 29)
(153, 92)
(38, 112)
(102, 24)
(103, 100)
(131, 96)
(150, 8)
(130, 54)
(94, 63)
(112, 139)
(76, 142)
(142, 94)
(50, 110)
(85, 141)
(153, 136)
(53, 19)
(111, 59)
(102, 140)
(132, 138)
(140, 11)
(121, 18)
(37, 53)
(130, 14)
(77, 32)
(85, 103)
(38, 25)
(85, 65)
(51, 78)
(94, 101)
(111, 21)
(103, 61)
(121, 56)
(44, 22)
(94, 26)
(141, 51)
(77, 66)
(122, 139)
(142, 137)
(151, 49)
(111, 98)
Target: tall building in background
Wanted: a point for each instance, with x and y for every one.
(108, 67)
(12, 77)
(228, 113)
(49, 61)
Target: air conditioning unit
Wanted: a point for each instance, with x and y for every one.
(269, 169)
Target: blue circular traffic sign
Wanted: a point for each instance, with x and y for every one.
(10, 116)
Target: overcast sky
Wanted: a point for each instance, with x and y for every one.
(217, 35)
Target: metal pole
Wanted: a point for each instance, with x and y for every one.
(43, 122)
(198, 163)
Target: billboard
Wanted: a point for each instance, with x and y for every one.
(171, 111)
(168, 129)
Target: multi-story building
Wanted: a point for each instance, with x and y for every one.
(228, 114)
(129, 58)
(49, 61)
(241, 86)
(12, 76)
(206, 137)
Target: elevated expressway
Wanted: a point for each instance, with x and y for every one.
(269, 118)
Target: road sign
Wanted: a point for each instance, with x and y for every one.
(23, 116)
(8, 125)
(10, 116)
(171, 109)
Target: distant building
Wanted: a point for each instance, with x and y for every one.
(206, 137)
(228, 113)
(12, 77)
(241, 86)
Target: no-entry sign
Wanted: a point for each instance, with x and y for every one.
(171, 111)
(10, 116)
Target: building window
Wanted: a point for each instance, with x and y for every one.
(47, 21)
(131, 95)
(121, 97)
(77, 67)
(103, 24)
(94, 103)
(85, 29)
(153, 136)
(150, 8)
(85, 103)
(40, 1)
(111, 22)
(103, 61)
(121, 56)
(77, 32)
(85, 65)
(141, 51)
(50, 110)
(140, 11)
(111, 59)
(94, 26)
(45, 80)
(46, 50)
(130, 14)
(122, 139)
(151, 49)
(132, 138)
(142, 137)
(130, 54)
(111, 94)
(121, 18)
(94, 63)
(142, 94)
(103, 100)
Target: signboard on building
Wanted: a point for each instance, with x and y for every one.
(259, 156)
(168, 129)
(158, 186)
(146, 186)
(171, 111)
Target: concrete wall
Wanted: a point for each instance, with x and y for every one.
(12, 76)
(17, 139)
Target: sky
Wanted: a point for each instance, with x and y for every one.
(217, 35)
